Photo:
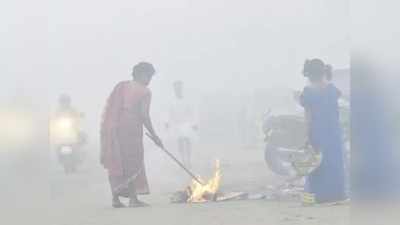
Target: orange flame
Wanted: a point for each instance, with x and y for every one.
(198, 192)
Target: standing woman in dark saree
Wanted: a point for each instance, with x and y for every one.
(320, 101)
(122, 153)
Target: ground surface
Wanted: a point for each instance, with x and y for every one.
(83, 198)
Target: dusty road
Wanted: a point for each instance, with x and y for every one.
(230, 213)
(84, 199)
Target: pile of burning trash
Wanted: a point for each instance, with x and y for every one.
(201, 191)
(208, 191)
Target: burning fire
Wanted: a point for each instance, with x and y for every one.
(202, 193)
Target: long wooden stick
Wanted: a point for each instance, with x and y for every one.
(176, 160)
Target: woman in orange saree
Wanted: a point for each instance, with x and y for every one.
(122, 153)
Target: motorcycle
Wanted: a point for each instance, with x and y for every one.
(286, 152)
(68, 141)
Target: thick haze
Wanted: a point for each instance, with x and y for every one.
(235, 57)
(85, 47)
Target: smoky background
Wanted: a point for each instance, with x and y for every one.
(237, 59)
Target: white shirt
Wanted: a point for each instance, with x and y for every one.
(182, 118)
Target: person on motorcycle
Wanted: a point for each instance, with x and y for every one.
(69, 119)
(66, 130)
(65, 107)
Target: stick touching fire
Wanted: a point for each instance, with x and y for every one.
(207, 191)
(201, 192)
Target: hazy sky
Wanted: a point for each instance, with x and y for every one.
(85, 47)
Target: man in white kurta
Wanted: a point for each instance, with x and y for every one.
(182, 123)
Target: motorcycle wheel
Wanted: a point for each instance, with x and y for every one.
(271, 157)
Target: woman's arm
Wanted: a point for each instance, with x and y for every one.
(307, 117)
(147, 122)
(304, 101)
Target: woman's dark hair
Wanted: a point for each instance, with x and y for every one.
(314, 69)
(143, 68)
(328, 72)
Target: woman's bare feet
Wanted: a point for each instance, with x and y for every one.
(116, 203)
(136, 203)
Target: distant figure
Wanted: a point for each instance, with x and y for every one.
(66, 131)
(71, 123)
(182, 123)
(122, 154)
(320, 100)
(65, 106)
